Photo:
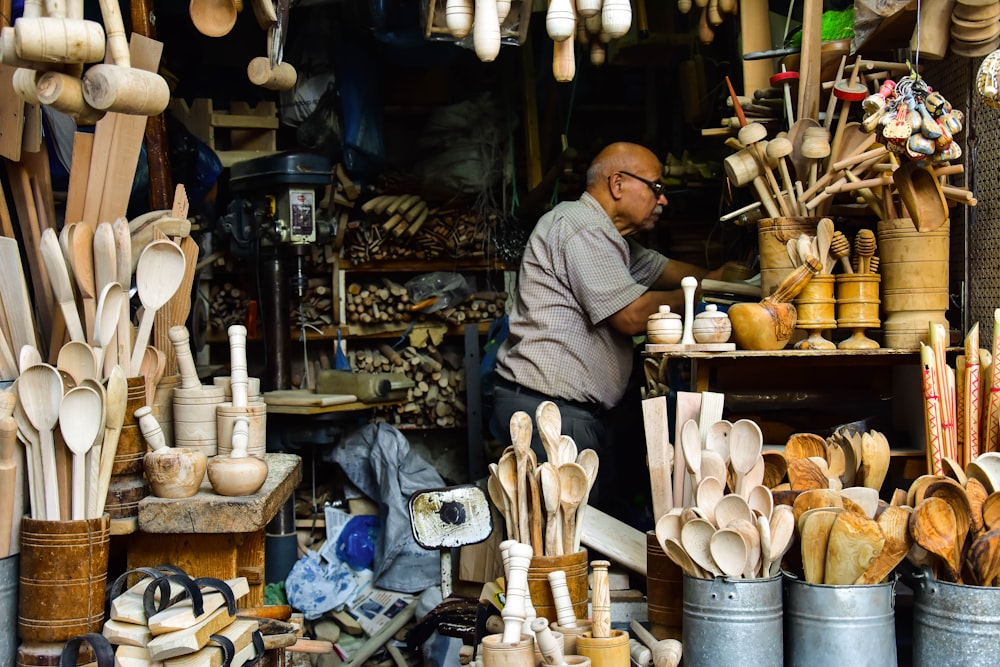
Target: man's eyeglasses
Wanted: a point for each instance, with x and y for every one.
(655, 186)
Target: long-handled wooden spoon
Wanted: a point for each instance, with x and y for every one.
(62, 289)
(158, 275)
(573, 487)
(548, 480)
(520, 437)
(123, 269)
(40, 390)
(82, 254)
(729, 551)
(109, 309)
(549, 422)
(80, 416)
(696, 538)
(933, 526)
(115, 404)
(745, 444)
(77, 359)
(507, 475)
(94, 455)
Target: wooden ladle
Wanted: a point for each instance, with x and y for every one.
(921, 193)
(115, 404)
(80, 417)
(157, 277)
(573, 487)
(40, 390)
(933, 526)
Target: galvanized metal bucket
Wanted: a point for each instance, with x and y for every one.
(832, 626)
(721, 614)
(8, 609)
(954, 624)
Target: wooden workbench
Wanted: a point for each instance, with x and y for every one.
(209, 535)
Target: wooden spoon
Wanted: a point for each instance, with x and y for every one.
(158, 275)
(874, 458)
(77, 359)
(782, 536)
(8, 482)
(894, 524)
(824, 237)
(499, 498)
(708, 495)
(933, 526)
(949, 490)
(717, 438)
(28, 435)
(213, 18)
(109, 308)
(573, 487)
(984, 558)
(748, 529)
(105, 261)
(80, 419)
(691, 444)
(745, 444)
(40, 393)
(815, 499)
(567, 449)
(123, 269)
(115, 403)
(62, 289)
(548, 480)
(866, 499)
(94, 455)
(815, 534)
(775, 468)
(804, 445)
(27, 357)
(520, 437)
(728, 550)
(805, 475)
(991, 511)
(732, 508)
(760, 500)
(507, 474)
(696, 538)
(855, 542)
(549, 422)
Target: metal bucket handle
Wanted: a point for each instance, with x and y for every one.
(917, 576)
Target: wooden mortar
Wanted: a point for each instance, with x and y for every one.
(237, 474)
(172, 473)
(769, 324)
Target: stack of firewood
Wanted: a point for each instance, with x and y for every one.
(438, 395)
(316, 306)
(405, 227)
(372, 303)
(227, 305)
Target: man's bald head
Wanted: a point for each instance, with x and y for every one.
(620, 156)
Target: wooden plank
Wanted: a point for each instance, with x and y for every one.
(181, 616)
(304, 397)
(11, 116)
(240, 633)
(250, 564)
(40, 176)
(83, 147)
(191, 639)
(245, 121)
(206, 512)
(27, 219)
(617, 540)
(129, 634)
(688, 407)
(134, 656)
(14, 296)
(659, 454)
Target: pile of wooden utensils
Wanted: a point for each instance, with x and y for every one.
(831, 246)
(543, 498)
(961, 404)
(49, 50)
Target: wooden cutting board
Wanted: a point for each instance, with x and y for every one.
(306, 398)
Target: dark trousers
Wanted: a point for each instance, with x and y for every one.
(586, 425)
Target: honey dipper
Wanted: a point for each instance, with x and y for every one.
(840, 248)
(864, 247)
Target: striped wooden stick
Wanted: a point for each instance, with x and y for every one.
(932, 426)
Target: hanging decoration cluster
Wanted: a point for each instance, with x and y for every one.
(913, 120)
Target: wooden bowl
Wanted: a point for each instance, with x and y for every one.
(237, 476)
(213, 18)
(174, 472)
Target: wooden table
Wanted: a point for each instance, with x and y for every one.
(209, 535)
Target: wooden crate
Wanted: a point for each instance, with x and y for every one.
(241, 133)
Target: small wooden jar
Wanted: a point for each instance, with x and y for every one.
(664, 327)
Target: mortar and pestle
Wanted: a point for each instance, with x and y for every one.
(666, 653)
(119, 87)
(605, 647)
(240, 406)
(195, 404)
(172, 472)
(768, 325)
(237, 474)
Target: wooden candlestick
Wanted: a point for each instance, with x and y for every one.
(601, 599)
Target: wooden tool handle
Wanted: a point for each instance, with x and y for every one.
(560, 596)
(793, 283)
(238, 360)
(282, 77)
(601, 599)
(185, 362)
(114, 27)
(150, 428)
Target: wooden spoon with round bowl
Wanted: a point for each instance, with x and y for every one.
(507, 475)
(745, 444)
(696, 538)
(708, 494)
(855, 542)
(748, 529)
(573, 487)
(213, 18)
(158, 275)
(983, 561)
(94, 455)
(814, 530)
(668, 531)
(567, 449)
(874, 458)
(764, 536)
(80, 419)
(499, 498)
(804, 445)
(760, 500)
(77, 358)
(27, 357)
(717, 438)
(691, 446)
(864, 497)
(28, 435)
(109, 308)
(775, 467)
(730, 508)
(40, 393)
(782, 536)
(934, 527)
(729, 551)
(549, 422)
(548, 481)
(976, 493)
(713, 465)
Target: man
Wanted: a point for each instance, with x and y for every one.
(585, 288)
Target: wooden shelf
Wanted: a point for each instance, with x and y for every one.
(427, 265)
(854, 355)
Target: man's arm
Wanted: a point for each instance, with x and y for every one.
(631, 320)
(675, 270)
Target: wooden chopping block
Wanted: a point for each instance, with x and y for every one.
(181, 615)
(190, 639)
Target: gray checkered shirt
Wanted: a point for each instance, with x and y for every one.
(577, 270)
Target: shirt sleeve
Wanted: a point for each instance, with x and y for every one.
(597, 268)
(647, 265)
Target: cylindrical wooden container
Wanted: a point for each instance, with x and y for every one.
(48, 654)
(575, 567)
(256, 414)
(195, 423)
(498, 654)
(570, 634)
(773, 235)
(664, 591)
(64, 568)
(128, 483)
(253, 388)
(857, 300)
(568, 659)
(914, 270)
(816, 306)
(604, 651)
(163, 406)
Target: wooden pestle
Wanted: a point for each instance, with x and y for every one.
(547, 646)
(185, 362)
(238, 381)
(601, 599)
(666, 653)
(514, 610)
(119, 87)
(560, 596)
